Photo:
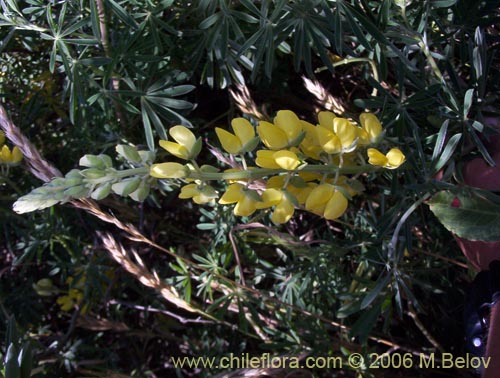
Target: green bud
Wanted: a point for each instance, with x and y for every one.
(93, 173)
(79, 191)
(147, 157)
(129, 153)
(101, 192)
(74, 173)
(196, 149)
(45, 287)
(208, 168)
(142, 192)
(92, 161)
(127, 186)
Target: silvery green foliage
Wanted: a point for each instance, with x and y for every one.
(97, 180)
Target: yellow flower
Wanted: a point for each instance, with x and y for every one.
(324, 200)
(277, 159)
(169, 170)
(243, 140)
(371, 128)
(2, 137)
(10, 157)
(393, 159)
(310, 145)
(285, 132)
(67, 302)
(199, 193)
(346, 132)
(282, 202)
(246, 199)
(187, 146)
(335, 134)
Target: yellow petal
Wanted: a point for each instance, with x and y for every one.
(243, 130)
(234, 193)
(375, 157)
(395, 158)
(169, 170)
(329, 142)
(5, 156)
(230, 142)
(17, 155)
(326, 120)
(189, 191)
(265, 159)
(283, 212)
(309, 145)
(183, 136)
(319, 197)
(302, 193)
(288, 121)
(205, 195)
(270, 197)
(272, 136)
(346, 131)
(336, 206)
(286, 159)
(175, 149)
(275, 182)
(372, 125)
(245, 207)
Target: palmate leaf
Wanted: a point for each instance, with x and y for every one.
(467, 214)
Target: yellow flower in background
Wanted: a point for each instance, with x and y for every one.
(187, 146)
(67, 302)
(199, 193)
(169, 170)
(393, 159)
(243, 139)
(285, 132)
(277, 159)
(246, 199)
(283, 205)
(324, 200)
(10, 157)
(2, 137)
(371, 129)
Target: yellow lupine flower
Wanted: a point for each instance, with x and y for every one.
(187, 146)
(283, 207)
(328, 140)
(169, 170)
(371, 128)
(246, 200)
(310, 145)
(325, 120)
(346, 132)
(393, 159)
(285, 132)
(324, 200)
(10, 157)
(243, 139)
(277, 159)
(199, 193)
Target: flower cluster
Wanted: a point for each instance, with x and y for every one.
(8, 156)
(302, 166)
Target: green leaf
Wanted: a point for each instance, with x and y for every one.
(372, 295)
(448, 151)
(467, 214)
(468, 101)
